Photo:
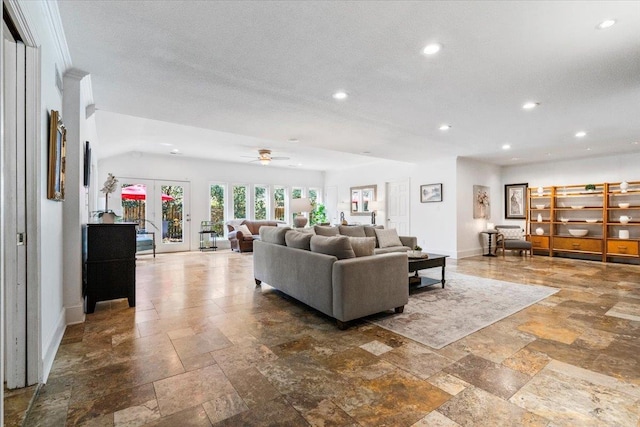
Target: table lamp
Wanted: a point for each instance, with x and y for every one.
(374, 206)
(342, 206)
(298, 206)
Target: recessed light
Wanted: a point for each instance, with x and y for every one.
(340, 95)
(175, 151)
(530, 105)
(581, 134)
(607, 23)
(635, 142)
(432, 48)
(294, 140)
(506, 146)
(588, 149)
(515, 158)
(445, 127)
(166, 144)
(548, 154)
(366, 152)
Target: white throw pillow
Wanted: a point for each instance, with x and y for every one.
(244, 230)
(387, 238)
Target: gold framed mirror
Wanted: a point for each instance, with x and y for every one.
(360, 198)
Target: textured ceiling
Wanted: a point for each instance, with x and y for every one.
(248, 75)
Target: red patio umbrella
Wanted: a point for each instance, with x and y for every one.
(139, 192)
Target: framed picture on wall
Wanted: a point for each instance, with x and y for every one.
(57, 154)
(515, 201)
(431, 193)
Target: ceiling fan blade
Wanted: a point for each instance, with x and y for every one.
(280, 158)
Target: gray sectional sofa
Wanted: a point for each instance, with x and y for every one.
(325, 273)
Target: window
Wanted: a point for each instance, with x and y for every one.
(260, 202)
(239, 202)
(216, 203)
(278, 205)
(318, 214)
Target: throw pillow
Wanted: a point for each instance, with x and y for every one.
(370, 231)
(274, 235)
(388, 238)
(338, 246)
(363, 246)
(298, 240)
(325, 231)
(352, 231)
(510, 233)
(244, 230)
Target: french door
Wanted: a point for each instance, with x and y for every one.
(159, 206)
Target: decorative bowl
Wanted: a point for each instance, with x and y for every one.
(578, 233)
(623, 205)
(540, 206)
(577, 207)
(591, 221)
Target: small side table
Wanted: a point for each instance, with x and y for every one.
(490, 233)
(205, 239)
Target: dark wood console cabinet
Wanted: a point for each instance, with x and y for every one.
(109, 263)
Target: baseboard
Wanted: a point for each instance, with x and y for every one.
(50, 350)
(450, 254)
(75, 314)
(469, 253)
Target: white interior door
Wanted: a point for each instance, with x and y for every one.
(398, 206)
(14, 214)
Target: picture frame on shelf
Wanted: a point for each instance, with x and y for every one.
(431, 193)
(57, 157)
(515, 201)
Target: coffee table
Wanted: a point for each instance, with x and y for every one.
(416, 264)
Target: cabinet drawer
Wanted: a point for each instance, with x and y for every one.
(539, 242)
(623, 247)
(577, 244)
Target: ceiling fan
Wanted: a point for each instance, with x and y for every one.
(264, 157)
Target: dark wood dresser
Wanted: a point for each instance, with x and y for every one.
(109, 263)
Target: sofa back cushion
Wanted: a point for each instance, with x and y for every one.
(370, 231)
(388, 238)
(254, 226)
(322, 230)
(352, 231)
(272, 234)
(363, 246)
(338, 246)
(298, 240)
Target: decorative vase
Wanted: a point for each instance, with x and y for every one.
(539, 231)
(108, 218)
(624, 186)
(624, 219)
(540, 191)
(623, 234)
(539, 217)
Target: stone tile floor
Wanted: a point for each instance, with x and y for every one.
(205, 346)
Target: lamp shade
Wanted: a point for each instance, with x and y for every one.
(302, 204)
(375, 205)
(343, 206)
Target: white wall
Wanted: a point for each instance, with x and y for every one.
(432, 223)
(615, 168)
(470, 241)
(201, 173)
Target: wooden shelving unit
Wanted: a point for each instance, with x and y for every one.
(557, 215)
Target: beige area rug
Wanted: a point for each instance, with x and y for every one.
(437, 317)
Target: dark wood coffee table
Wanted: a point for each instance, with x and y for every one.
(416, 264)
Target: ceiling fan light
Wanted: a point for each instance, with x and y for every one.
(265, 162)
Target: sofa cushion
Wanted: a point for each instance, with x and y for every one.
(306, 230)
(363, 246)
(510, 233)
(338, 246)
(244, 230)
(322, 230)
(352, 231)
(370, 231)
(298, 240)
(387, 238)
(272, 234)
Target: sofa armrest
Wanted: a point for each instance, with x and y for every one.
(368, 285)
(238, 235)
(409, 241)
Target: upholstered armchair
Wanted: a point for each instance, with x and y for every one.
(512, 237)
(241, 236)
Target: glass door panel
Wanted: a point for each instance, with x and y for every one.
(172, 197)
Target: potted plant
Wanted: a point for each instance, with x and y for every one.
(590, 187)
(417, 252)
(108, 216)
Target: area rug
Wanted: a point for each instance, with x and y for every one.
(437, 317)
